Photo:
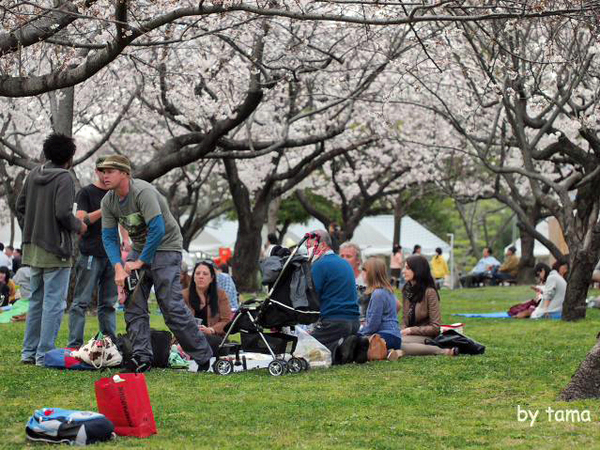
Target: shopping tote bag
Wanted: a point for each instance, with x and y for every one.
(124, 400)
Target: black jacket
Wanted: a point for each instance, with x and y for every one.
(45, 210)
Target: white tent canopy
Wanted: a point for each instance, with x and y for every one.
(539, 250)
(374, 236)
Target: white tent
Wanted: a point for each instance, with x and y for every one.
(539, 250)
(374, 235)
(411, 233)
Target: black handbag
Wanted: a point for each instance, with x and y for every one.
(452, 339)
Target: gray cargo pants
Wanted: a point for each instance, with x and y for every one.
(164, 275)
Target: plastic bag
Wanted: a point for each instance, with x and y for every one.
(176, 361)
(312, 350)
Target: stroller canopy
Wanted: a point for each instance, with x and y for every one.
(292, 297)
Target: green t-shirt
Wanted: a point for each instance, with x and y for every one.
(36, 256)
(142, 204)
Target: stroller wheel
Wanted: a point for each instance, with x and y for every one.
(277, 367)
(305, 363)
(295, 365)
(222, 367)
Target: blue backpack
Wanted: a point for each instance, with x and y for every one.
(64, 426)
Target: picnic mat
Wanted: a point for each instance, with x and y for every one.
(19, 307)
(500, 315)
(493, 315)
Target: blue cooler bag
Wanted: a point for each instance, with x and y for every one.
(64, 426)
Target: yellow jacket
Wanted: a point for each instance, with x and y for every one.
(439, 268)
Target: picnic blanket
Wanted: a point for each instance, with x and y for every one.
(499, 315)
(19, 307)
(492, 315)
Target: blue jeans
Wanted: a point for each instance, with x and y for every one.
(92, 271)
(47, 303)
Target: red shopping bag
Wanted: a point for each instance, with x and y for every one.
(124, 400)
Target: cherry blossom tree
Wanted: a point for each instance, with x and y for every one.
(29, 64)
(523, 94)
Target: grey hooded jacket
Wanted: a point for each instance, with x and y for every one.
(45, 210)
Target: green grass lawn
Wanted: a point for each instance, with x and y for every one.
(421, 402)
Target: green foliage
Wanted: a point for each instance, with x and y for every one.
(420, 402)
(435, 213)
(324, 205)
(291, 211)
(492, 226)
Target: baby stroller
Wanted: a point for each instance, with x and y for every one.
(291, 300)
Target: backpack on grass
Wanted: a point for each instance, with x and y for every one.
(64, 426)
(161, 347)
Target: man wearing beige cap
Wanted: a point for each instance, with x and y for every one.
(93, 269)
(156, 254)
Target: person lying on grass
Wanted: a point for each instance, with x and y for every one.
(382, 312)
(421, 315)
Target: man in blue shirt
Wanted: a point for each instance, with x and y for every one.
(482, 269)
(335, 284)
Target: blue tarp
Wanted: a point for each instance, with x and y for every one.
(499, 315)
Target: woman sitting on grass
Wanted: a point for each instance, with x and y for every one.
(382, 312)
(553, 293)
(208, 303)
(421, 310)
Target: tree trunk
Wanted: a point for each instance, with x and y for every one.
(61, 106)
(247, 250)
(283, 231)
(272, 213)
(585, 383)
(347, 233)
(12, 228)
(398, 214)
(527, 262)
(578, 283)
(469, 228)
